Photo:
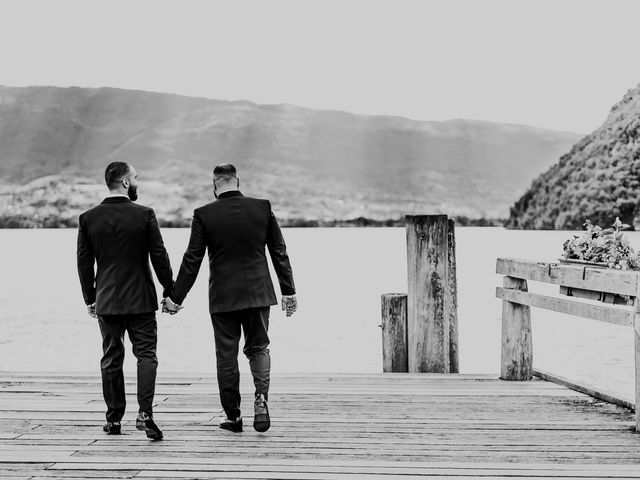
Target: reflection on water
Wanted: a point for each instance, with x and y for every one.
(340, 275)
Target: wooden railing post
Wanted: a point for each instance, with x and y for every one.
(517, 348)
(427, 319)
(636, 343)
(394, 333)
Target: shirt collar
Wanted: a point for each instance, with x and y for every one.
(230, 193)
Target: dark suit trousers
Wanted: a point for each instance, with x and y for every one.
(142, 329)
(227, 328)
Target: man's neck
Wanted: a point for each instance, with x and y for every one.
(117, 194)
(225, 190)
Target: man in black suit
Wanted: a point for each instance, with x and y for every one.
(121, 236)
(235, 229)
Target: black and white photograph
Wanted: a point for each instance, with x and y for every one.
(319, 239)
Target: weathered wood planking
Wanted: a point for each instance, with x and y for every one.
(600, 279)
(324, 426)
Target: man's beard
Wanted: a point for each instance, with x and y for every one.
(132, 192)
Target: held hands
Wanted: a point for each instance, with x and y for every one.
(91, 310)
(289, 304)
(169, 307)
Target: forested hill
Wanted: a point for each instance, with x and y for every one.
(312, 164)
(598, 179)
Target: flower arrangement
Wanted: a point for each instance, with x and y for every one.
(608, 247)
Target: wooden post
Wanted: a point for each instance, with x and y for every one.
(394, 332)
(517, 349)
(427, 320)
(451, 300)
(636, 335)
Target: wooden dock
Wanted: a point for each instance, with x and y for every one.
(323, 426)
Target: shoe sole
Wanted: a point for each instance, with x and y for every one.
(151, 433)
(261, 422)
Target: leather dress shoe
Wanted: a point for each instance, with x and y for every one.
(145, 423)
(111, 428)
(261, 420)
(232, 425)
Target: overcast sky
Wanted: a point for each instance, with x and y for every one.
(557, 64)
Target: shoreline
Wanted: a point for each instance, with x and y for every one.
(24, 222)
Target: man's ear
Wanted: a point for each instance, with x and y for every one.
(125, 182)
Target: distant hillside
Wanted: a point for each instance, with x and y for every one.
(314, 165)
(598, 179)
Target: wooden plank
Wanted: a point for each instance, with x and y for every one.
(48, 474)
(480, 454)
(421, 423)
(286, 476)
(185, 436)
(456, 444)
(586, 389)
(616, 316)
(35, 456)
(455, 467)
(19, 467)
(622, 282)
(360, 473)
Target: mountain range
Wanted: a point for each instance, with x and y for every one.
(315, 165)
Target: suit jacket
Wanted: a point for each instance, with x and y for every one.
(235, 230)
(121, 236)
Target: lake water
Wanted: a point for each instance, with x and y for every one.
(340, 275)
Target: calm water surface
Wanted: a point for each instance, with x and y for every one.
(340, 275)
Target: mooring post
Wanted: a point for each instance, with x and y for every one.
(451, 299)
(428, 320)
(394, 333)
(517, 347)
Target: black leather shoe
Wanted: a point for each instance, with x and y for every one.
(232, 425)
(111, 428)
(261, 420)
(145, 423)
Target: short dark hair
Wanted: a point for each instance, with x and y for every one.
(225, 171)
(115, 172)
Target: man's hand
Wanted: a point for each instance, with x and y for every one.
(168, 306)
(289, 304)
(91, 310)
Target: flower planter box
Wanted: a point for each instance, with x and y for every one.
(605, 297)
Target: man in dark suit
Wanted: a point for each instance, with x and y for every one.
(235, 229)
(121, 236)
